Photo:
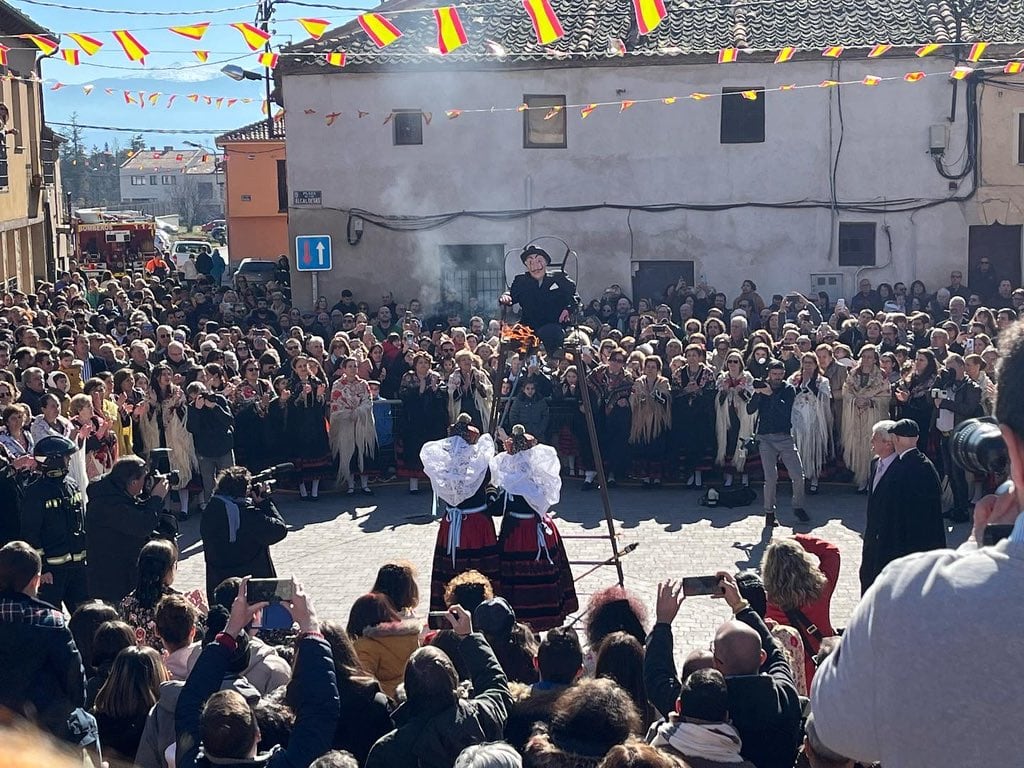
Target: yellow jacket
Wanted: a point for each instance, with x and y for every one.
(385, 648)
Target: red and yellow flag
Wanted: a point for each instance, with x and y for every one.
(56, 86)
(785, 54)
(913, 77)
(268, 60)
(170, 99)
(546, 25)
(585, 112)
(3, 55)
(925, 50)
(625, 104)
(191, 31)
(787, 87)
(871, 80)
(88, 88)
(450, 34)
(879, 50)
(70, 56)
(380, 30)
(749, 95)
(88, 44)
(649, 14)
(976, 52)
(335, 58)
(451, 114)
(315, 28)
(1013, 67)
(833, 52)
(728, 55)
(201, 55)
(193, 97)
(698, 96)
(44, 44)
(669, 100)
(133, 49)
(828, 83)
(961, 73)
(254, 37)
(129, 99)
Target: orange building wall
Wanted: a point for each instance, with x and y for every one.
(256, 228)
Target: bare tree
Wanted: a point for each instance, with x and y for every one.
(187, 200)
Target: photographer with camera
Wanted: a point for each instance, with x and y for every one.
(773, 402)
(958, 398)
(120, 518)
(936, 640)
(212, 425)
(238, 526)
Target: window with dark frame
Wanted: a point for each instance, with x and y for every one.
(1020, 139)
(153, 181)
(408, 128)
(544, 123)
(282, 187)
(857, 243)
(742, 117)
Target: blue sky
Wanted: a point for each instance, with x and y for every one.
(171, 60)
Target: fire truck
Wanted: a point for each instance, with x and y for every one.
(118, 241)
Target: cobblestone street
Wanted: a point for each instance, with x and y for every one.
(335, 547)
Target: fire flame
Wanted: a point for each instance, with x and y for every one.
(519, 337)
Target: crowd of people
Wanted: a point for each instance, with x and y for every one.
(128, 404)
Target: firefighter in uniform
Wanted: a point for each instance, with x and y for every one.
(53, 522)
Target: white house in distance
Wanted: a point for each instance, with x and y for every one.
(154, 180)
(716, 170)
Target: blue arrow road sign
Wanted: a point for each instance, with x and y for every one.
(313, 253)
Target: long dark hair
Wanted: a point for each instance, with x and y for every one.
(397, 581)
(368, 611)
(154, 379)
(156, 560)
(620, 657)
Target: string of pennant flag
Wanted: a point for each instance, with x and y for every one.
(451, 35)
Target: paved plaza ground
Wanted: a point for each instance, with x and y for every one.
(335, 546)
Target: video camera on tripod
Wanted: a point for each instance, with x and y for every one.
(263, 482)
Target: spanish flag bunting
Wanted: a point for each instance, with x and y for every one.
(247, 101)
(451, 114)
(833, 52)
(129, 99)
(669, 100)
(192, 31)
(388, 118)
(133, 49)
(913, 77)
(974, 55)
(44, 44)
(828, 83)
(208, 100)
(88, 44)
(56, 86)
(219, 102)
(785, 54)
(553, 112)
(3, 55)
(201, 55)
(360, 114)
(170, 99)
(108, 91)
(264, 107)
(335, 58)
(546, 25)
(308, 111)
(268, 60)
(315, 28)
(625, 104)
(961, 73)
(698, 96)
(154, 98)
(788, 87)
(380, 30)
(427, 117)
(254, 37)
(616, 47)
(70, 56)
(879, 50)
(88, 88)
(749, 95)
(924, 50)
(871, 80)
(649, 14)
(1013, 68)
(496, 49)
(193, 97)
(231, 102)
(522, 107)
(728, 55)
(585, 112)
(450, 34)
(331, 118)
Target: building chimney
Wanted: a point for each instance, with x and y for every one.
(168, 149)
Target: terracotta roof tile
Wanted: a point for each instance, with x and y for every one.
(255, 131)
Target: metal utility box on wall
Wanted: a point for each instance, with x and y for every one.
(831, 283)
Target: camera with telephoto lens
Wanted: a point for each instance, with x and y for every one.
(263, 482)
(161, 456)
(977, 446)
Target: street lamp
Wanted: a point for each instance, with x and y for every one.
(235, 72)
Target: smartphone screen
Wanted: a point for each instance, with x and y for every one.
(269, 590)
(701, 585)
(438, 620)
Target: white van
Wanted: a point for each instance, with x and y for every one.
(183, 248)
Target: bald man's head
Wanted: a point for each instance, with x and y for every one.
(738, 649)
(698, 659)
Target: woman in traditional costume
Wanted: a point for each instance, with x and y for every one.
(353, 432)
(865, 402)
(162, 421)
(733, 425)
(693, 413)
(651, 407)
(424, 397)
(306, 428)
(812, 417)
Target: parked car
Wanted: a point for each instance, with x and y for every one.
(254, 271)
(183, 248)
(219, 235)
(213, 224)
